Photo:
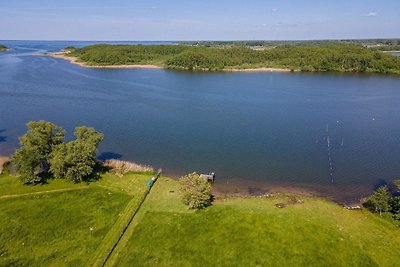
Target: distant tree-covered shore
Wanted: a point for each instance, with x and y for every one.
(329, 56)
(3, 47)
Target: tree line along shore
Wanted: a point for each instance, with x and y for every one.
(3, 47)
(310, 57)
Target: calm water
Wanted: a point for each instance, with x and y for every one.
(247, 127)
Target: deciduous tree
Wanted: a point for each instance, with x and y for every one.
(76, 159)
(33, 157)
(196, 191)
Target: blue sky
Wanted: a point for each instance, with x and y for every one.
(198, 20)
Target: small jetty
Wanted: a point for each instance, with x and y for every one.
(209, 177)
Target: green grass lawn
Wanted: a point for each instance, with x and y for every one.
(254, 232)
(57, 228)
(80, 224)
(9, 185)
(61, 228)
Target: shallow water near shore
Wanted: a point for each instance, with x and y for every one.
(333, 134)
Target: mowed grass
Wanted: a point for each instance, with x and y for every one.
(79, 224)
(138, 190)
(254, 232)
(10, 185)
(60, 223)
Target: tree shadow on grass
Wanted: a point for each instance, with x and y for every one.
(98, 171)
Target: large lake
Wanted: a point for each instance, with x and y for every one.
(334, 134)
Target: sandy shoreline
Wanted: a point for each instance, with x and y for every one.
(74, 60)
(345, 195)
(259, 70)
(348, 196)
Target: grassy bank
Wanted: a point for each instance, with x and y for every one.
(56, 228)
(60, 223)
(254, 232)
(65, 224)
(338, 57)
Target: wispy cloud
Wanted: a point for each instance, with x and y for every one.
(274, 10)
(372, 14)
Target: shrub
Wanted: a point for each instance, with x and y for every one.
(379, 200)
(196, 191)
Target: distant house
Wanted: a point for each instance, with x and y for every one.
(209, 177)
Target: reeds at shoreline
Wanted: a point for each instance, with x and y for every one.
(123, 167)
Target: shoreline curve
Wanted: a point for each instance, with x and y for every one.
(74, 60)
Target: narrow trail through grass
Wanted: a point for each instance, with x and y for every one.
(111, 240)
(42, 192)
(163, 196)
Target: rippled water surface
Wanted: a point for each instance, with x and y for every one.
(336, 133)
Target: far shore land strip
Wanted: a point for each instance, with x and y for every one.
(74, 60)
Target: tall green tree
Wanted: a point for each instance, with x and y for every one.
(33, 157)
(76, 159)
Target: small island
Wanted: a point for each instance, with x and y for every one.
(308, 57)
(3, 48)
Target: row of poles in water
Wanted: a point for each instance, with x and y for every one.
(329, 151)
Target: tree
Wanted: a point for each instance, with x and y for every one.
(33, 157)
(76, 159)
(397, 184)
(379, 200)
(395, 207)
(196, 191)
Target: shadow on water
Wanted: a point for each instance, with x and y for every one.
(2, 138)
(109, 155)
(379, 183)
(393, 189)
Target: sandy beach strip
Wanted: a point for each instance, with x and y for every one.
(259, 70)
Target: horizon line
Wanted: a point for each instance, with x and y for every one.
(209, 40)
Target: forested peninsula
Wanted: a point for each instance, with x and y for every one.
(3, 47)
(319, 57)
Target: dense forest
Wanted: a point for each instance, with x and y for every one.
(3, 47)
(313, 56)
(269, 43)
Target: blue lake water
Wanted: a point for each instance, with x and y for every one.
(255, 130)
